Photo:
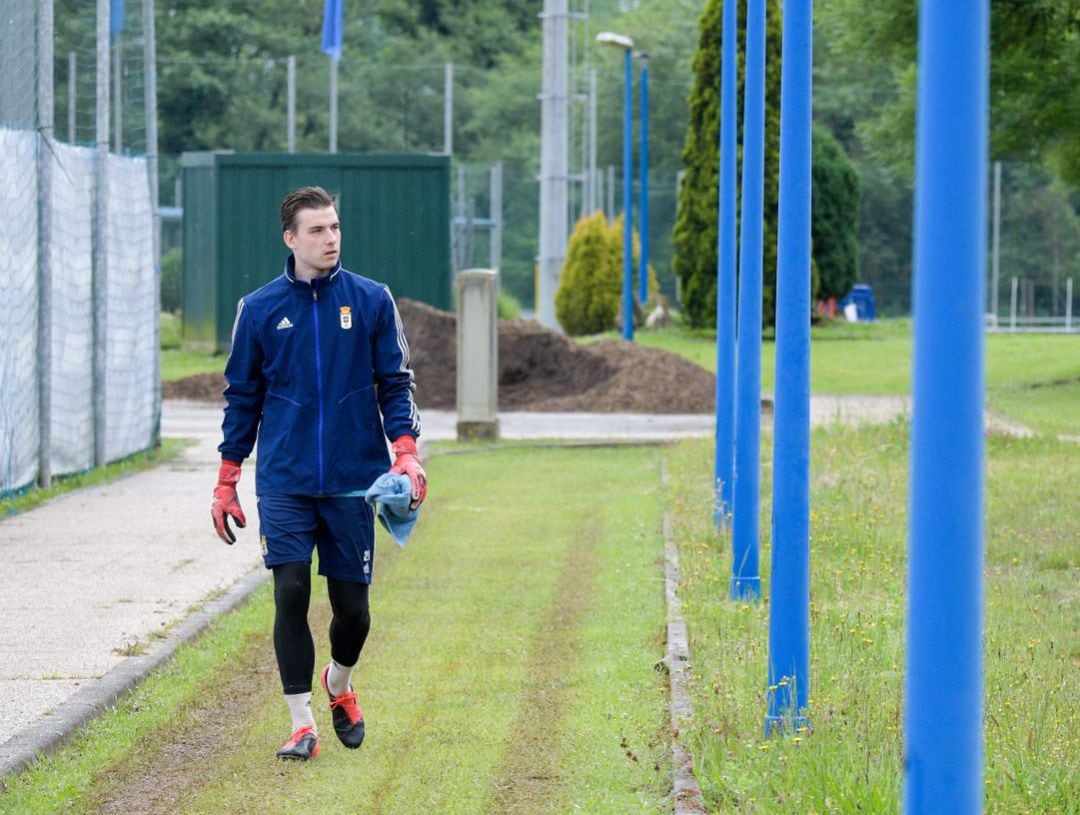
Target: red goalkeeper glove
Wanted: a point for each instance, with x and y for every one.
(407, 463)
(226, 502)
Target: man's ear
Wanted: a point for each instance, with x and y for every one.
(289, 238)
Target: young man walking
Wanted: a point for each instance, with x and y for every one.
(319, 374)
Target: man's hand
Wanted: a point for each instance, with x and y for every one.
(226, 503)
(407, 462)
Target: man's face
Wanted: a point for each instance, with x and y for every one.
(316, 243)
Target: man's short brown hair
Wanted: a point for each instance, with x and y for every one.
(303, 198)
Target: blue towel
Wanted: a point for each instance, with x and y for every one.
(391, 494)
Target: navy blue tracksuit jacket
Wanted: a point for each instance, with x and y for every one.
(319, 373)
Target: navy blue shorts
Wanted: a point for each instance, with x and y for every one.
(291, 527)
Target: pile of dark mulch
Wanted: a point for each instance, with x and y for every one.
(539, 370)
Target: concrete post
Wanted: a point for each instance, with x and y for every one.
(477, 355)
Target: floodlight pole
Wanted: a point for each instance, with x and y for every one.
(592, 175)
(628, 204)
(789, 604)
(554, 160)
(643, 206)
(725, 275)
(943, 696)
(745, 575)
(627, 45)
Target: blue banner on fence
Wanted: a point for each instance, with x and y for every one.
(116, 17)
(333, 28)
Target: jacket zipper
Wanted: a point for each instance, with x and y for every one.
(318, 378)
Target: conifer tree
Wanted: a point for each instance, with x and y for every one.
(696, 220)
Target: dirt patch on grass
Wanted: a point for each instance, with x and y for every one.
(539, 370)
(530, 778)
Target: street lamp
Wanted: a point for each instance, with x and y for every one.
(643, 207)
(627, 44)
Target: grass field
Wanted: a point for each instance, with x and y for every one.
(512, 663)
(875, 359)
(177, 363)
(851, 762)
(510, 669)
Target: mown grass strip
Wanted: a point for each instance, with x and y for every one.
(1049, 409)
(852, 761)
(875, 358)
(511, 662)
(177, 363)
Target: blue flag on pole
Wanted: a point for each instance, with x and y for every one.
(333, 28)
(116, 17)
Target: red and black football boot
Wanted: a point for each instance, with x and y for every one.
(347, 715)
(301, 746)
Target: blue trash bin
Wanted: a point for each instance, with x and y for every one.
(862, 297)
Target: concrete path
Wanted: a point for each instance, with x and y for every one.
(99, 577)
(102, 584)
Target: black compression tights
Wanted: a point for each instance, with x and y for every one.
(293, 644)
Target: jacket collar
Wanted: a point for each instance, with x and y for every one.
(290, 274)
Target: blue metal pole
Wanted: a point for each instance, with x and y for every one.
(789, 616)
(745, 577)
(643, 207)
(725, 273)
(628, 204)
(943, 698)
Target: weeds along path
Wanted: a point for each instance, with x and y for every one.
(510, 668)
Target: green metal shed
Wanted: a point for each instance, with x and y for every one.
(395, 225)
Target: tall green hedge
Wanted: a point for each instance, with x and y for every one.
(835, 197)
(696, 219)
(835, 223)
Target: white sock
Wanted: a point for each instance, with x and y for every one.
(300, 708)
(338, 677)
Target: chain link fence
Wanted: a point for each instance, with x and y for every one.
(243, 103)
(78, 280)
(1036, 253)
(473, 189)
(1034, 285)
